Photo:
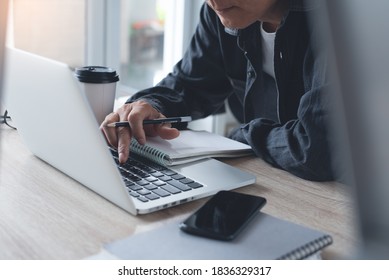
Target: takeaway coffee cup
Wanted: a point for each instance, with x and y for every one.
(99, 86)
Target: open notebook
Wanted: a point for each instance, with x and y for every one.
(188, 147)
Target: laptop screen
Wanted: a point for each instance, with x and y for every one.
(360, 43)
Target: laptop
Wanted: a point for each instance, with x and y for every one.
(56, 123)
(358, 32)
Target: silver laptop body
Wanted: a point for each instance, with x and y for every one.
(55, 122)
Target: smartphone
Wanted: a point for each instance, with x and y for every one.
(223, 216)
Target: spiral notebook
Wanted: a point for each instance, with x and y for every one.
(266, 237)
(188, 147)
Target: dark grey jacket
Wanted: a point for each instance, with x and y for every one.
(284, 122)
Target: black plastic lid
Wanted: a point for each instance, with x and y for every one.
(96, 75)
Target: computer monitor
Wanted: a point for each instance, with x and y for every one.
(359, 36)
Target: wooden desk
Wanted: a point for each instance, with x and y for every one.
(47, 215)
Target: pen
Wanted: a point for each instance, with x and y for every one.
(153, 121)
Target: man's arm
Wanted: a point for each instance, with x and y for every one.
(300, 146)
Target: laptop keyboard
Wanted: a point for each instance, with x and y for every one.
(146, 180)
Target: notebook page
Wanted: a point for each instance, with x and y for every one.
(198, 143)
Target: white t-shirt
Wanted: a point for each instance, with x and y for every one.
(267, 40)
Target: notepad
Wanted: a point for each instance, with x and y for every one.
(188, 147)
(266, 237)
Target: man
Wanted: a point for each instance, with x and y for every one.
(260, 56)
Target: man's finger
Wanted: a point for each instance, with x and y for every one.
(109, 133)
(124, 139)
(167, 132)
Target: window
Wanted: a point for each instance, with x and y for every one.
(142, 41)
(154, 35)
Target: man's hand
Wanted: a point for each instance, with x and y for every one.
(134, 113)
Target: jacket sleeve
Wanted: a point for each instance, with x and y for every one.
(197, 85)
(302, 145)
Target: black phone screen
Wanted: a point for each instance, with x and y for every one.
(224, 215)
